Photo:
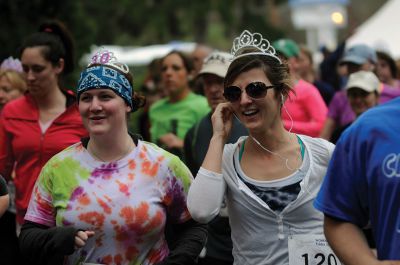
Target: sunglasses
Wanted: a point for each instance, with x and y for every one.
(254, 90)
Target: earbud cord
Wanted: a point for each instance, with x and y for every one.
(290, 117)
(275, 153)
(271, 152)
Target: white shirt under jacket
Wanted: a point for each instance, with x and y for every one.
(260, 235)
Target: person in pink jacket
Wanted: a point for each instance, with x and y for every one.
(304, 111)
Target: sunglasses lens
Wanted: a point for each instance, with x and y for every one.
(256, 90)
(232, 93)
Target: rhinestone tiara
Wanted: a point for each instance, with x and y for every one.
(11, 64)
(252, 40)
(106, 57)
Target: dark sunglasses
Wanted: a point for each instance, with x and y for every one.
(255, 90)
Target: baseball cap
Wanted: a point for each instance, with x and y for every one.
(359, 54)
(287, 47)
(364, 80)
(216, 63)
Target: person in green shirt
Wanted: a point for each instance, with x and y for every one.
(173, 116)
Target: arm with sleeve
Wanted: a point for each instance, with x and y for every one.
(41, 242)
(206, 195)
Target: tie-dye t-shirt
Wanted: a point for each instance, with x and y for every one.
(125, 202)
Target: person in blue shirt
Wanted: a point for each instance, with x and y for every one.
(362, 188)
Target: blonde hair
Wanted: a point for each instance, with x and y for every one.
(15, 78)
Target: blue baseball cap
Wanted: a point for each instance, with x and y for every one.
(359, 54)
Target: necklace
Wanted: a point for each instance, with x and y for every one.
(97, 157)
(276, 154)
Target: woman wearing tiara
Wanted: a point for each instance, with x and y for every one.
(108, 198)
(269, 178)
(12, 82)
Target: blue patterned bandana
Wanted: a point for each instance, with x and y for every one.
(102, 76)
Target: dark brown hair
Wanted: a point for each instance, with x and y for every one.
(276, 72)
(187, 60)
(390, 61)
(57, 44)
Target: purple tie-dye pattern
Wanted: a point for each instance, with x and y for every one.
(104, 171)
(124, 239)
(179, 199)
(78, 191)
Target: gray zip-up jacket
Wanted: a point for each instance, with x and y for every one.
(260, 235)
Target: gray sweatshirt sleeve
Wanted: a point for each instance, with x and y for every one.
(206, 195)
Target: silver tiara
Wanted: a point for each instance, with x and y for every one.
(106, 57)
(252, 40)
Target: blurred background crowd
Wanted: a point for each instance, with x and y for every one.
(337, 72)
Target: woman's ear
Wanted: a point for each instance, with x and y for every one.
(60, 66)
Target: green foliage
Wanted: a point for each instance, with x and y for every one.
(131, 23)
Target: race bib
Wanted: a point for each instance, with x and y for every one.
(311, 250)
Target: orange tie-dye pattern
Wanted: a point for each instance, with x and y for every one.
(150, 169)
(131, 176)
(46, 206)
(167, 199)
(107, 198)
(132, 164)
(120, 233)
(123, 188)
(124, 226)
(135, 216)
(93, 218)
(84, 199)
(154, 222)
(138, 220)
(104, 205)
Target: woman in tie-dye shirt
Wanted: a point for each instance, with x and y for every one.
(107, 199)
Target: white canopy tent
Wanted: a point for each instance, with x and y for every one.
(380, 30)
(140, 55)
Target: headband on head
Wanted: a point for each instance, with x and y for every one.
(252, 40)
(105, 72)
(11, 64)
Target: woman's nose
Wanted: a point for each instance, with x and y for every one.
(244, 98)
(29, 75)
(95, 104)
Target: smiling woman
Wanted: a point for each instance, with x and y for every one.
(109, 198)
(268, 179)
